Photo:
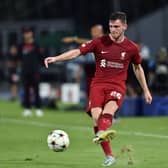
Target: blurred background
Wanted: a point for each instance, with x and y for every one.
(62, 86)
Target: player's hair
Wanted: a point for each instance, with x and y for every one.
(119, 15)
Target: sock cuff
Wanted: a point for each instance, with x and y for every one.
(107, 115)
(95, 129)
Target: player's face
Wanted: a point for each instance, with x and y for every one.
(117, 28)
(96, 31)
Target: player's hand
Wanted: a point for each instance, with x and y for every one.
(49, 60)
(148, 97)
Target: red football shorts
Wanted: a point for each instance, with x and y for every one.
(101, 94)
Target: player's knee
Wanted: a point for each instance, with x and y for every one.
(95, 118)
(110, 108)
(96, 112)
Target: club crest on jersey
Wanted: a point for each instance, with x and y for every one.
(123, 55)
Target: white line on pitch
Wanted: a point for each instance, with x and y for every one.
(82, 128)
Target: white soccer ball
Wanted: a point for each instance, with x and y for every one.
(58, 140)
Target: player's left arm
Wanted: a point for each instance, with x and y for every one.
(139, 73)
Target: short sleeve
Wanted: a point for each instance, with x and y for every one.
(136, 59)
(87, 47)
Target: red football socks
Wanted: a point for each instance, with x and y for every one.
(95, 129)
(105, 121)
(106, 148)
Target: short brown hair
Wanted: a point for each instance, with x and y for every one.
(119, 15)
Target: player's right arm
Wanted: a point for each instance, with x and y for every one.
(89, 46)
(62, 57)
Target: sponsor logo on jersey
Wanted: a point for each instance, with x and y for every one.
(110, 64)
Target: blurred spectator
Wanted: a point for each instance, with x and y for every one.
(13, 77)
(146, 56)
(144, 51)
(159, 74)
(2, 70)
(31, 58)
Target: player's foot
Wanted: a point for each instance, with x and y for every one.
(27, 113)
(102, 136)
(39, 113)
(109, 161)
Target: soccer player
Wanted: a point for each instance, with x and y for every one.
(113, 53)
(89, 67)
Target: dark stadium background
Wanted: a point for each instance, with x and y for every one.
(84, 12)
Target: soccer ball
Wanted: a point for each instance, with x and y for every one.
(58, 140)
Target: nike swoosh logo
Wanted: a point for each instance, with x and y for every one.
(104, 52)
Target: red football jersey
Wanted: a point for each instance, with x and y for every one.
(112, 60)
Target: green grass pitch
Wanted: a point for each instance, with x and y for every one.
(23, 140)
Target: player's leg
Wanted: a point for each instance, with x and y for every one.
(35, 84)
(105, 122)
(96, 101)
(105, 145)
(96, 113)
(110, 107)
(26, 98)
(95, 105)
